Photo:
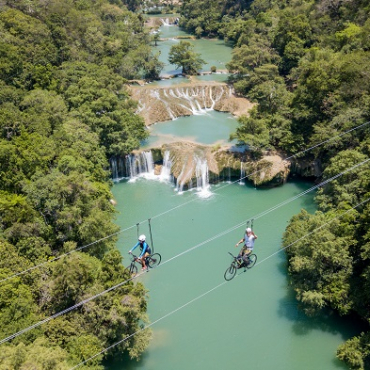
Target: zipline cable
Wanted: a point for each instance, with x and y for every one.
(213, 289)
(174, 208)
(172, 258)
(64, 255)
(257, 171)
(147, 326)
(67, 310)
(301, 152)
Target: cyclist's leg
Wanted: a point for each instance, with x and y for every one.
(144, 259)
(141, 261)
(239, 259)
(247, 252)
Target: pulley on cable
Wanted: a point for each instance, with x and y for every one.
(147, 258)
(150, 232)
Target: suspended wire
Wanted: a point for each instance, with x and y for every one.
(147, 326)
(174, 208)
(257, 171)
(67, 309)
(64, 255)
(174, 257)
(312, 232)
(213, 289)
(326, 141)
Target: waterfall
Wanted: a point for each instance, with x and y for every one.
(117, 167)
(131, 166)
(140, 165)
(165, 22)
(147, 162)
(194, 174)
(179, 184)
(185, 176)
(242, 174)
(156, 94)
(113, 165)
(202, 174)
(166, 167)
(197, 100)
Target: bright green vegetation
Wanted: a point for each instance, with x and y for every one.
(182, 55)
(65, 109)
(307, 65)
(331, 267)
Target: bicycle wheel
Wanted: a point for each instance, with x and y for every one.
(230, 272)
(252, 261)
(132, 269)
(154, 260)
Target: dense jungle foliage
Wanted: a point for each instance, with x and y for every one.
(307, 65)
(65, 109)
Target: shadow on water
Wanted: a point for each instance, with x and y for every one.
(328, 321)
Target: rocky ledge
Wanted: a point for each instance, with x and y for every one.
(222, 164)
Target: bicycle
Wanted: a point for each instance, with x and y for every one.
(152, 261)
(238, 263)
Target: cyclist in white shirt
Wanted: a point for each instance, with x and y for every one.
(248, 246)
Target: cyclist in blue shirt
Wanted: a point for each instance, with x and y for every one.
(145, 250)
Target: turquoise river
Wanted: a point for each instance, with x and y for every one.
(200, 321)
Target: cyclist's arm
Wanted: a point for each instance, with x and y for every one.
(135, 246)
(240, 241)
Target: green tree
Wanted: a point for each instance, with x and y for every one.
(320, 265)
(246, 58)
(182, 55)
(252, 131)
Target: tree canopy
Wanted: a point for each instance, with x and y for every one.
(306, 65)
(64, 111)
(182, 55)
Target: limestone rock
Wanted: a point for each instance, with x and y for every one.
(158, 104)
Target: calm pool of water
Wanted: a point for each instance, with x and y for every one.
(204, 322)
(209, 128)
(252, 321)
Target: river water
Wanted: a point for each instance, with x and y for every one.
(201, 321)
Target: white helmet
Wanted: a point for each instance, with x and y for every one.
(248, 230)
(142, 238)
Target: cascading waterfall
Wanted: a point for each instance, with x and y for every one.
(147, 162)
(165, 22)
(242, 174)
(131, 171)
(202, 174)
(114, 169)
(157, 95)
(140, 165)
(117, 167)
(166, 167)
(197, 100)
(193, 175)
(179, 183)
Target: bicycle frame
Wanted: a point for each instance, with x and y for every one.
(151, 261)
(238, 262)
